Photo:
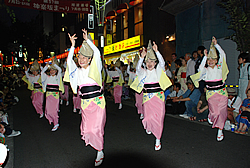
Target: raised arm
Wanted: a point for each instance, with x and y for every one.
(58, 68)
(139, 64)
(159, 56)
(203, 62)
(71, 51)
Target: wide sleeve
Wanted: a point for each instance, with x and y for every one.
(95, 71)
(222, 62)
(160, 59)
(128, 70)
(138, 66)
(44, 77)
(71, 71)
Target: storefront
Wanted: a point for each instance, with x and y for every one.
(125, 49)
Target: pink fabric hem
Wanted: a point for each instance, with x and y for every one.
(37, 101)
(218, 110)
(51, 109)
(92, 126)
(154, 113)
(138, 104)
(118, 94)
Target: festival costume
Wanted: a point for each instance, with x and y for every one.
(243, 80)
(182, 77)
(52, 85)
(65, 95)
(216, 93)
(117, 78)
(36, 88)
(89, 81)
(153, 83)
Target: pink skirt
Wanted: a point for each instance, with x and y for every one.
(118, 94)
(77, 102)
(154, 113)
(65, 96)
(92, 126)
(138, 103)
(51, 109)
(218, 110)
(37, 101)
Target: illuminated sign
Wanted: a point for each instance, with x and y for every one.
(123, 45)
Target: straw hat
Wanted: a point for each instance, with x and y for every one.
(85, 49)
(150, 53)
(231, 91)
(55, 62)
(136, 59)
(118, 63)
(212, 52)
(35, 66)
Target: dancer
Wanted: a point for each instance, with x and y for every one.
(215, 76)
(65, 95)
(153, 81)
(35, 87)
(138, 96)
(52, 84)
(116, 77)
(89, 80)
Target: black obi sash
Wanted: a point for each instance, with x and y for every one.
(151, 88)
(88, 91)
(52, 88)
(37, 86)
(116, 78)
(214, 85)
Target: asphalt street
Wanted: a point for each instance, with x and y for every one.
(184, 143)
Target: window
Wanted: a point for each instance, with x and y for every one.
(138, 14)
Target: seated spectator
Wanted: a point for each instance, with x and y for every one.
(243, 118)
(200, 112)
(6, 130)
(177, 107)
(233, 106)
(190, 97)
(177, 65)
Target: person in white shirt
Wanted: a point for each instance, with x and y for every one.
(190, 65)
(233, 106)
(88, 78)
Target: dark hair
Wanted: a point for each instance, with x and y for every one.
(202, 48)
(174, 54)
(244, 56)
(178, 85)
(178, 62)
(194, 52)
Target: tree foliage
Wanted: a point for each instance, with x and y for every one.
(8, 10)
(238, 19)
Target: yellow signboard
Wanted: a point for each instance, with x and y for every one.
(109, 39)
(92, 36)
(123, 45)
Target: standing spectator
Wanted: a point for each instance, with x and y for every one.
(244, 80)
(173, 68)
(233, 106)
(195, 58)
(182, 74)
(200, 51)
(177, 65)
(190, 64)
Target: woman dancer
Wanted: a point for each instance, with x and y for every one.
(138, 96)
(89, 80)
(35, 87)
(153, 81)
(52, 84)
(65, 95)
(214, 75)
(116, 77)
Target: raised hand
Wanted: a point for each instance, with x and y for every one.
(143, 53)
(85, 34)
(155, 47)
(72, 39)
